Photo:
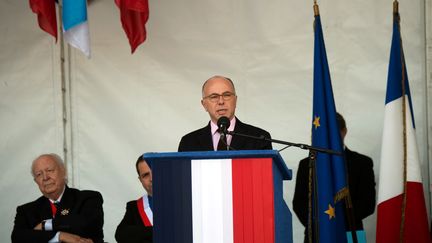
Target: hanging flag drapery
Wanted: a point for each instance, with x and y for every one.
(401, 214)
(75, 25)
(330, 185)
(46, 12)
(134, 15)
(74, 19)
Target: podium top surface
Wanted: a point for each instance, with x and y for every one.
(274, 154)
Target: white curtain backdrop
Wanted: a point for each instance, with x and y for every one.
(123, 105)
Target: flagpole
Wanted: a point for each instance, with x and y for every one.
(313, 231)
(316, 9)
(65, 92)
(404, 117)
(312, 227)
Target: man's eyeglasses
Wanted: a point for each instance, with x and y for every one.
(215, 97)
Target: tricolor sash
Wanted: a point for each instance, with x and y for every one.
(145, 210)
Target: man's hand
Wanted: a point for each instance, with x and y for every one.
(71, 238)
(38, 226)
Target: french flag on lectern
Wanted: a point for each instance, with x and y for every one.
(402, 215)
(75, 25)
(217, 201)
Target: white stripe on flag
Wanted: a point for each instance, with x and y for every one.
(79, 38)
(212, 212)
(414, 171)
(391, 175)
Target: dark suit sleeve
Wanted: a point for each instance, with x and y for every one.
(131, 229)
(364, 195)
(244, 143)
(300, 200)
(267, 144)
(85, 218)
(198, 140)
(23, 228)
(182, 145)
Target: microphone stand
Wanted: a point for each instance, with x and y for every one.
(299, 145)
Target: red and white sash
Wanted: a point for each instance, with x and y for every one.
(145, 211)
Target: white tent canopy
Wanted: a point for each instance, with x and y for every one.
(119, 105)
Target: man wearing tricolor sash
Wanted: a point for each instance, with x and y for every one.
(137, 223)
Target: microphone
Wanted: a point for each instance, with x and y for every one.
(223, 123)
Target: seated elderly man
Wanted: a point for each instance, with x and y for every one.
(61, 214)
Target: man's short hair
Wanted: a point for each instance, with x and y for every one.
(341, 121)
(59, 161)
(139, 160)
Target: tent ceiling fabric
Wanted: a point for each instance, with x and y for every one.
(123, 105)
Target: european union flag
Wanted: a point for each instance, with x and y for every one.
(330, 184)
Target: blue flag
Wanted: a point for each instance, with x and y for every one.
(330, 185)
(75, 25)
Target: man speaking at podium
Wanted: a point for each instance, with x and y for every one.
(219, 99)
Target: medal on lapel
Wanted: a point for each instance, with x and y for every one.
(64, 212)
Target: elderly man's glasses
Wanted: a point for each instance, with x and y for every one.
(215, 97)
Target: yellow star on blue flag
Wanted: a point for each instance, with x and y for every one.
(316, 122)
(331, 212)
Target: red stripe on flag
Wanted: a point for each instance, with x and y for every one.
(46, 12)
(134, 15)
(238, 201)
(253, 201)
(388, 220)
(416, 224)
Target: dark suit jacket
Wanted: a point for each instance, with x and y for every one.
(201, 139)
(361, 185)
(131, 229)
(79, 212)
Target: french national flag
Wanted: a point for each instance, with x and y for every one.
(227, 200)
(401, 210)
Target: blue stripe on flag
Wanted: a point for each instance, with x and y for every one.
(172, 199)
(74, 13)
(397, 71)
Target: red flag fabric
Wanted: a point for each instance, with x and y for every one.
(134, 15)
(47, 19)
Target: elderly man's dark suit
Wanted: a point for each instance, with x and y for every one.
(361, 186)
(79, 212)
(201, 139)
(132, 229)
